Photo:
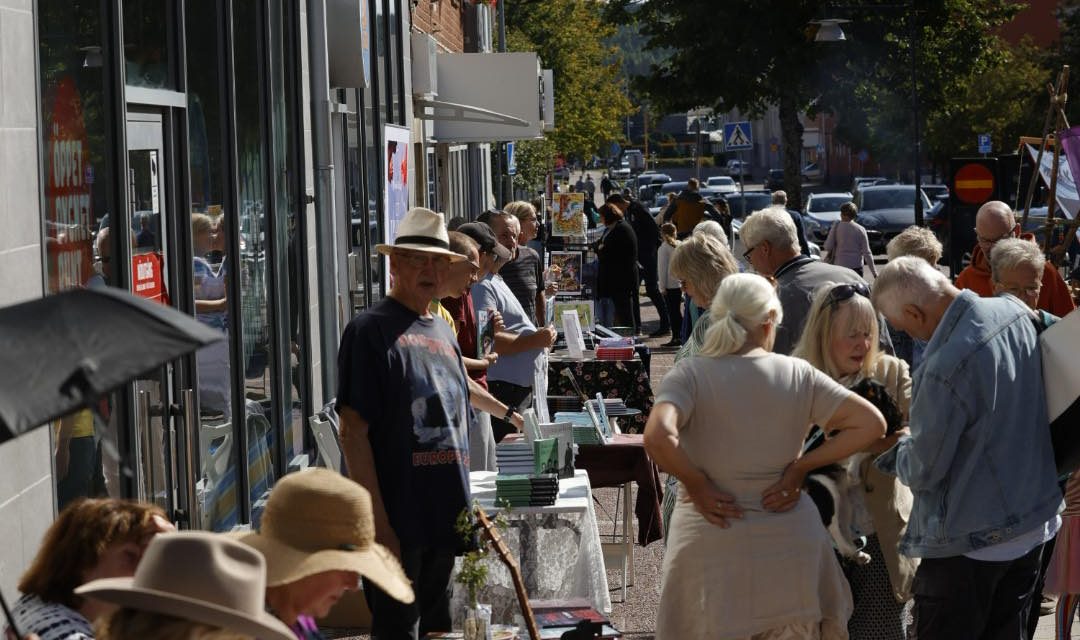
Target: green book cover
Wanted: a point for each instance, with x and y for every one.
(546, 455)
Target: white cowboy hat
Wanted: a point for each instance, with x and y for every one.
(421, 230)
(319, 520)
(198, 576)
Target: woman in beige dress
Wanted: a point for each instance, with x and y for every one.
(747, 555)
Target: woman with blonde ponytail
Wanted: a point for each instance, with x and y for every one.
(747, 555)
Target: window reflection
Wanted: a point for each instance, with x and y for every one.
(146, 43)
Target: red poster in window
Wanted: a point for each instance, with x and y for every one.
(69, 215)
(146, 277)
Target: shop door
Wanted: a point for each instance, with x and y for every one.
(160, 400)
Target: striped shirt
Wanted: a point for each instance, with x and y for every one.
(50, 620)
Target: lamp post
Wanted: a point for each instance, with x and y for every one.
(829, 30)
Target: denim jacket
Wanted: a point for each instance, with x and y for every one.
(979, 460)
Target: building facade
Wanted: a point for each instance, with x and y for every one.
(237, 160)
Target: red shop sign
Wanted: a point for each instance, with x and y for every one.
(146, 277)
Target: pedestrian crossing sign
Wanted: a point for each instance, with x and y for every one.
(737, 136)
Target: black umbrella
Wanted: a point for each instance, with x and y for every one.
(63, 352)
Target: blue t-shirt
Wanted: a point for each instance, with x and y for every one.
(492, 293)
(403, 374)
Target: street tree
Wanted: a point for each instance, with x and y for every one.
(590, 91)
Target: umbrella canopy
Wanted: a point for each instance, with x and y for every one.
(63, 352)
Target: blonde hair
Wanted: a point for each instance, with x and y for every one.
(773, 225)
(703, 260)
(669, 233)
(743, 302)
(1010, 253)
(520, 209)
(712, 228)
(814, 345)
(201, 222)
(133, 624)
(915, 241)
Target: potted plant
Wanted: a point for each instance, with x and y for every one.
(473, 573)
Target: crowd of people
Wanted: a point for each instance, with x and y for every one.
(915, 407)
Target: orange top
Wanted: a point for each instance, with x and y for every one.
(1054, 297)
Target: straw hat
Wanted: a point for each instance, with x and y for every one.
(421, 230)
(319, 520)
(198, 576)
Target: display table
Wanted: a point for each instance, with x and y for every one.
(620, 461)
(557, 547)
(626, 379)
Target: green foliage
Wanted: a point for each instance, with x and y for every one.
(590, 96)
(534, 159)
(473, 572)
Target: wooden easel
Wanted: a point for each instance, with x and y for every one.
(492, 534)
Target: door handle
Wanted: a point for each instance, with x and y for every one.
(193, 511)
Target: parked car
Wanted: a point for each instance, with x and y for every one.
(622, 171)
(743, 204)
(738, 169)
(935, 191)
(635, 159)
(861, 181)
(722, 184)
(820, 211)
(774, 179)
(886, 210)
(650, 180)
(811, 172)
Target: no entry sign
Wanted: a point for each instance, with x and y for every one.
(973, 183)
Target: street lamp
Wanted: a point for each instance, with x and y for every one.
(829, 30)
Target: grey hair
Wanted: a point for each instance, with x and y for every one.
(773, 225)
(907, 280)
(915, 241)
(1010, 253)
(712, 228)
(743, 302)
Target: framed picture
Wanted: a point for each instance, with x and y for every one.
(396, 188)
(584, 310)
(568, 215)
(485, 333)
(565, 271)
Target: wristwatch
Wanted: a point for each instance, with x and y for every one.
(509, 414)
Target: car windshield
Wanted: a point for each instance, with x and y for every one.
(743, 205)
(902, 198)
(717, 181)
(831, 203)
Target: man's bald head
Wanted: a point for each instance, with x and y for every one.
(994, 221)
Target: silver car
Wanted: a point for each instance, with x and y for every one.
(820, 211)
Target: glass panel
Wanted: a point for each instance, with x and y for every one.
(379, 68)
(393, 64)
(373, 192)
(289, 254)
(79, 195)
(146, 43)
(216, 489)
(256, 332)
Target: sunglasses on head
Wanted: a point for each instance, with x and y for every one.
(842, 292)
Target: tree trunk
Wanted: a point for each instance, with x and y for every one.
(791, 131)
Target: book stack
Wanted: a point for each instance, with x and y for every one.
(515, 458)
(535, 490)
(585, 431)
(615, 349)
(612, 406)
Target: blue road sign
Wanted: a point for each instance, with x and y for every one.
(511, 163)
(984, 143)
(737, 136)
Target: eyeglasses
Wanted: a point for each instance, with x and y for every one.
(982, 240)
(842, 292)
(1022, 292)
(746, 254)
(420, 260)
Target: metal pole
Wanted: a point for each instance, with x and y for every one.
(919, 220)
(500, 195)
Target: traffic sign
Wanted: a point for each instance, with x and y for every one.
(984, 143)
(737, 136)
(863, 155)
(973, 183)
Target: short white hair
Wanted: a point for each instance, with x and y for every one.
(773, 225)
(915, 241)
(1010, 253)
(743, 302)
(712, 228)
(907, 280)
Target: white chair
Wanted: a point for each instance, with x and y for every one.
(326, 440)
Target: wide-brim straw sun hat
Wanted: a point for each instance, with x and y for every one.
(318, 520)
(203, 577)
(421, 230)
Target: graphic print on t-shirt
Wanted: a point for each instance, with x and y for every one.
(438, 404)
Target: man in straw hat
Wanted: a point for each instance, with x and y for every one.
(403, 403)
(189, 585)
(318, 537)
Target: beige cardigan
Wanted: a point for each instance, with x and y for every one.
(888, 500)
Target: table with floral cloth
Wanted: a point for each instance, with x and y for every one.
(626, 379)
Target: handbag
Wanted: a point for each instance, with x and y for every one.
(1060, 347)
